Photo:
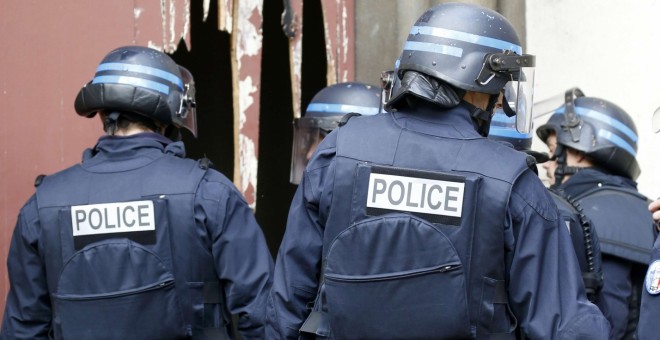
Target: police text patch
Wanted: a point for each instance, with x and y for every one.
(135, 220)
(435, 197)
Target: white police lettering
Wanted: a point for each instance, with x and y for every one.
(414, 194)
(109, 218)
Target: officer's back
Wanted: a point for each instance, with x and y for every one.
(136, 241)
(410, 224)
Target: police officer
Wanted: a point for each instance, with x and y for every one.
(137, 242)
(412, 224)
(594, 144)
(324, 113)
(649, 327)
(583, 233)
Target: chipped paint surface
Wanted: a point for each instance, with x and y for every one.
(250, 37)
(225, 15)
(246, 68)
(296, 69)
(248, 159)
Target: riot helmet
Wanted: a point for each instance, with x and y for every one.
(324, 113)
(471, 48)
(503, 129)
(600, 129)
(143, 81)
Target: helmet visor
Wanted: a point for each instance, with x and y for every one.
(305, 140)
(187, 115)
(656, 120)
(518, 99)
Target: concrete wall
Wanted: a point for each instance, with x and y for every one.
(610, 50)
(382, 26)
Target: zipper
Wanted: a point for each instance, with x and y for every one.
(155, 286)
(393, 276)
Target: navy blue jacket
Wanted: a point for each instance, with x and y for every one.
(543, 280)
(206, 260)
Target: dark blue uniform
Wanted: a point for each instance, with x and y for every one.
(136, 242)
(625, 230)
(506, 251)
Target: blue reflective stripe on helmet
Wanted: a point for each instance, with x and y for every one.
(618, 141)
(608, 120)
(342, 108)
(581, 111)
(498, 131)
(433, 48)
(141, 69)
(149, 84)
(466, 37)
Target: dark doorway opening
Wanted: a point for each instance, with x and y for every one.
(209, 60)
(276, 128)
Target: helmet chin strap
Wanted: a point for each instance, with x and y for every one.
(562, 169)
(483, 117)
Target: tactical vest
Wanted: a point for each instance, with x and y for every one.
(626, 230)
(624, 224)
(413, 243)
(123, 255)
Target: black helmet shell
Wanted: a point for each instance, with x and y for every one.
(450, 42)
(331, 103)
(607, 134)
(134, 79)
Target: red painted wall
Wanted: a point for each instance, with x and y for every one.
(49, 49)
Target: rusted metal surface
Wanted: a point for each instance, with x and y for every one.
(246, 75)
(292, 25)
(339, 28)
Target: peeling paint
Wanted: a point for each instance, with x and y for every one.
(248, 158)
(185, 34)
(170, 46)
(248, 168)
(251, 38)
(246, 88)
(297, 76)
(225, 14)
(163, 15)
(206, 4)
(344, 40)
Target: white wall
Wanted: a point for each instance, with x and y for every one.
(611, 50)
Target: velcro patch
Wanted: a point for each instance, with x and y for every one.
(135, 220)
(436, 197)
(653, 278)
